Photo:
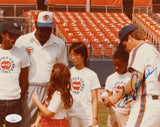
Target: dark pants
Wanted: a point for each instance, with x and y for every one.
(9, 107)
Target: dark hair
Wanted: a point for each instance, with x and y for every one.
(60, 81)
(1, 38)
(12, 27)
(80, 48)
(121, 53)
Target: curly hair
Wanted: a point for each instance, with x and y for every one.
(121, 53)
(60, 81)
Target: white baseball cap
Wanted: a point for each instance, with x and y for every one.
(45, 19)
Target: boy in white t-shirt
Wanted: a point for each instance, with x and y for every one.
(117, 117)
(13, 74)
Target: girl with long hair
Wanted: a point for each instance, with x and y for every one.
(84, 85)
(59, 99)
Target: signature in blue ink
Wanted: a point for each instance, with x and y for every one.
(137, 85)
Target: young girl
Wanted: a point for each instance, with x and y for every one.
(84, 89)
(53, 113)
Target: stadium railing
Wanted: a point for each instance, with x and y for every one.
(83, 5)
(149, 26)
(142, 6)
(14, 8)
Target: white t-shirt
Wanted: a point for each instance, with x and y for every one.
(42, 57)
(83, 81)
(115, 82)
(146, 59)
(56, 105)
(11, 62)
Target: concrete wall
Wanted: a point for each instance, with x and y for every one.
(103, 67)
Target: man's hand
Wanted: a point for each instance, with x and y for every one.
(35, 98)
(112, 100)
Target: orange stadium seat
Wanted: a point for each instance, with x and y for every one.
(102, 26)
(18, 2)
(14, 6)
(107, 2)
(108, 50)
(66, 2)
(151, 27)
(97, 50)
(90, 27)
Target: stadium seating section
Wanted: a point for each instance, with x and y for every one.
(15, 8)
(98, 30)
(148, 25)
(83, 2)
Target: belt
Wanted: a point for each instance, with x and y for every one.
(38, 84)
(154, 97)
(10, 100)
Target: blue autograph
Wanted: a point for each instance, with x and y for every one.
(137, 85)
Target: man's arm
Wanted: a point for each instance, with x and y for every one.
(94, 106)
(109, 93)
(43, 110)
(136, 80)
(23, 80)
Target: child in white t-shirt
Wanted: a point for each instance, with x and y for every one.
(118, 116)
(84, 85)
(59, 99)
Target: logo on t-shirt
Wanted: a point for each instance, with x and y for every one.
(46, 17)
(119, 86)
(6, 64)
(77, 85)
(46, 103)
(29, 50)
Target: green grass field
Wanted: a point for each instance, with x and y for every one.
(102, 114)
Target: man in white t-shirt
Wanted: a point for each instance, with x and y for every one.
(44, 50)
(144, 84)
(13, 74)
(118, 116)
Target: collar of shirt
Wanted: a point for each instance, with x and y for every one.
(49, 42)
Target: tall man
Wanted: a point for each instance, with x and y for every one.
(44, 50)
(144, 84)
(13, 73)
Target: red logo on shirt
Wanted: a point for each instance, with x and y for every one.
(46, 103)
(46, 17)
(29, 50)
(76, 85)
(119, 88)
(5, 65)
